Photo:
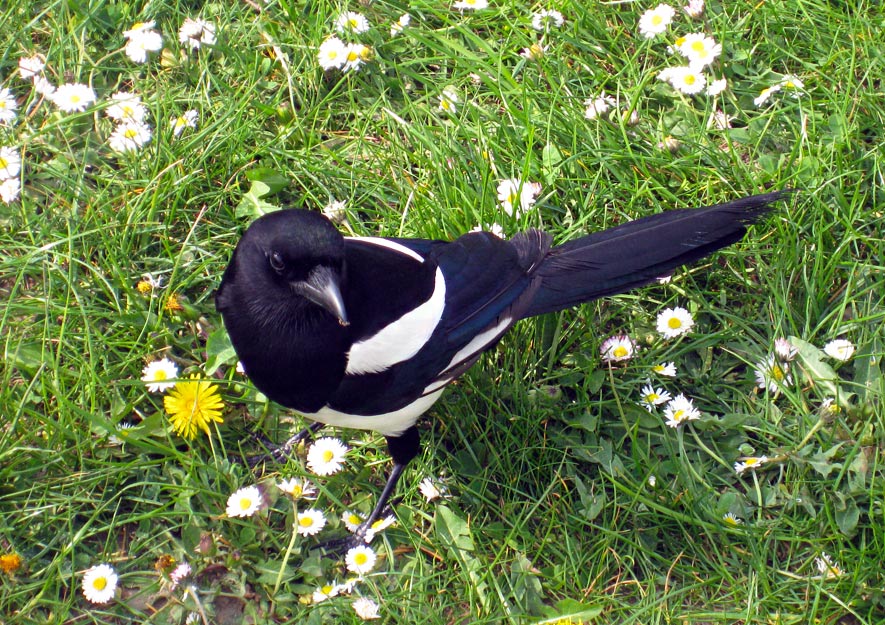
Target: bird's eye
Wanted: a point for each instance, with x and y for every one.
(276, 261)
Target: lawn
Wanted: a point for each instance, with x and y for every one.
(139, 139)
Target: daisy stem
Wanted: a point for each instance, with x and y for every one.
(286, 556)
(628, 431)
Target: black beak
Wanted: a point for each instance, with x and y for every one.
(322, 288)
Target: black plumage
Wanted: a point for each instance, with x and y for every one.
(367, 332)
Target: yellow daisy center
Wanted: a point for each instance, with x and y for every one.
(75, 98)
(620, 351)
(679, 41)
(305, 521)
(360, 559)
(674, 323)
(296, 491)
(100, 583)
(352, 56)
(3, 163)
(656, 20)
(327, 589)
(698, 46)
(652, 397)
(777, 373)
(159, 374)
(689, 80)
(245, 503)
(130, 133)
(678, 415)
(353, 23)
(328, 455)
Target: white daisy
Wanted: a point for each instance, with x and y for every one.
(360, 559)
(326, 456)
(840, 349)
(43, 86)
(617, 348)
(694, 8)
(29, 67)
(432, 489)
(792, 82)
(784, 349)
(679, 410)
(652, 397)
(655, 21)
(667, 369)
(598, 106)
(326, 591)
(379, 526)
(827, 567)
(750, 463)
(544, 19)
(138, 29)
(335, 211)
(765, 94)
(699, 49)
(129, 136)
(687, 79)
(179, 573)
(357, 54)
(99, 583)
(401, 24)
(533, 52)
(731, 519)
(141, 43)
(448, 100)
(366, 609)
(717, 86)
(719, 120)
(71, 97)
(495, 228)
(351, 22)
(772, 374)
(10, 162)
(244, 502)
(352, 520)
(8, 106)
(333, 53)
(513, 193)
(472, 5)
(10, 190)
(310, 522)
(297, 488)
(673, 322)
(126, 107)
(157, 374)
(196, 33)
(188, 119)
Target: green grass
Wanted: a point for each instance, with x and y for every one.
(545, 451)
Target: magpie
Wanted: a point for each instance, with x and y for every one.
(367, 332)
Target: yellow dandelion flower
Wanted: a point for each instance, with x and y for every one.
(10, 563)
(173, 304)
(193, 405)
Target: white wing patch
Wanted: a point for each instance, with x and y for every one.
(403, 338)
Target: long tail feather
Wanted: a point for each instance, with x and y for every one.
(636, 253)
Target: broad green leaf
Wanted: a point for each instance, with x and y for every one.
(814, 369)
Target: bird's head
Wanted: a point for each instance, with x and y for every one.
(291, 258)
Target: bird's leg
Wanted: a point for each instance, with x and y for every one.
(403, 449)
(281, 452)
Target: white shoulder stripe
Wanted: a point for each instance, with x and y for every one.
(392, 245)
(389, 424)
(401, 339)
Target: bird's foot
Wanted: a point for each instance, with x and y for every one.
(279, 453)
